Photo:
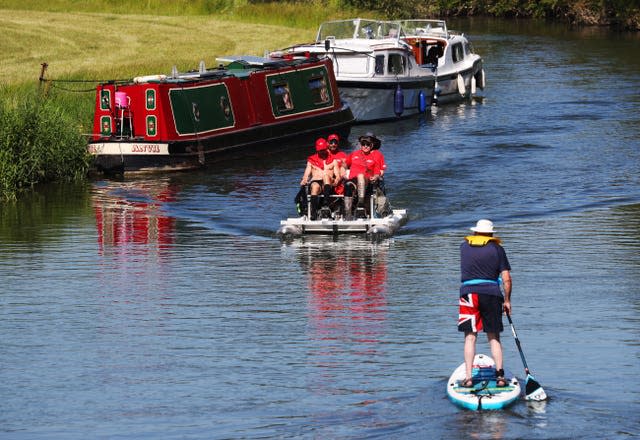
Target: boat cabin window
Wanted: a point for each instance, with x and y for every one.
(352, 65)
(397, 64)
(319, 90)
(283, 97)
(457, 52)
(379, 65)
(105, 99)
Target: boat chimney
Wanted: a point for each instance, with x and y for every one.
(201, 67)
(174, 72)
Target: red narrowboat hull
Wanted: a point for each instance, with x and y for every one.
(186, 121)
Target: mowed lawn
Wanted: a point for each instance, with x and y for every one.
(112, 46)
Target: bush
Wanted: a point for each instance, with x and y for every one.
(38, 142)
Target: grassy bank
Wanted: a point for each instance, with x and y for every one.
(92, 46)
(39, 142)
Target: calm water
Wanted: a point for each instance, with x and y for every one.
(166, 308)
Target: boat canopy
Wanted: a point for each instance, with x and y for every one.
(359, 28)
(425, 28)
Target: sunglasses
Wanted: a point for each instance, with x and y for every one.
(365, 143)
(333, 142)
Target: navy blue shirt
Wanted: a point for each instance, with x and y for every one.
(482, 262)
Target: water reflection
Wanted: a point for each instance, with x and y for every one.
(130, 213)
(346, 291)
(346, 308)
(481, 425)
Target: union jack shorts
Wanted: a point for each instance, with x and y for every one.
(478, 313)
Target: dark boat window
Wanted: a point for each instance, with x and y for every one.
(152, 126)
(105, 99)
(283, 97)
(379, 64)
(319, 91)
(195, 108)
(397, 64)
(151, 99)
(457, 52)
(225, 106)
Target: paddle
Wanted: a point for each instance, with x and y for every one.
(533, 390)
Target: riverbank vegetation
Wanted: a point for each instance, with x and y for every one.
(624, 14)
(85, 42)
(39, 142)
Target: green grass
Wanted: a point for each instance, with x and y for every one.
(38, 142)
(105, 46)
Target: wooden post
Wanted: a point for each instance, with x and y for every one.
(42, 79)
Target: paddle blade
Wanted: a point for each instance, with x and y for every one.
(533, 390)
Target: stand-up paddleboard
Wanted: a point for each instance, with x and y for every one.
(484, 394)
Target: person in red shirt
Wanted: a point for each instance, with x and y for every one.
(378, 157)
(335, 171)
(363, 170)
(314, 174)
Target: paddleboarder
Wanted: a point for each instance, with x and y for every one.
(483, 261)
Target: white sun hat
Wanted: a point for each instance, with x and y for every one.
(483, 226)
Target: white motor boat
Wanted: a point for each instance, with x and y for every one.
(378, 221)
(449, 54)
(376, 70)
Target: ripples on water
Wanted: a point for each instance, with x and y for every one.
(166, 308)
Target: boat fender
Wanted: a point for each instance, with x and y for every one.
(422, 102)
(473, 85)
(461, 87)
(398, 101)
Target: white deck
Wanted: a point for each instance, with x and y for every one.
(385, 226)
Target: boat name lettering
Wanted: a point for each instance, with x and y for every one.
(145, 148)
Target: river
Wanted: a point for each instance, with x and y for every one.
(165, 307)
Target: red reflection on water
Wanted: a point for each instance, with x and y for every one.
(347, 295)
(132, 214)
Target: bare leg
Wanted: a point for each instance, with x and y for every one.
(469, 352)
(362, 186)
(496, 349)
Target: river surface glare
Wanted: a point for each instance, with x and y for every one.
(165, 307)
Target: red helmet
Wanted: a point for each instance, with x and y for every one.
(333, 137)
(321, 144)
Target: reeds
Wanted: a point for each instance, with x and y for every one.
(39, 142)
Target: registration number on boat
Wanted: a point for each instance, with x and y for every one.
(145, 148)
(120, 148)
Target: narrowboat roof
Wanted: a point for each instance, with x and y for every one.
(237, 65)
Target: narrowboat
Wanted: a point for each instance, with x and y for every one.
(187, 120)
